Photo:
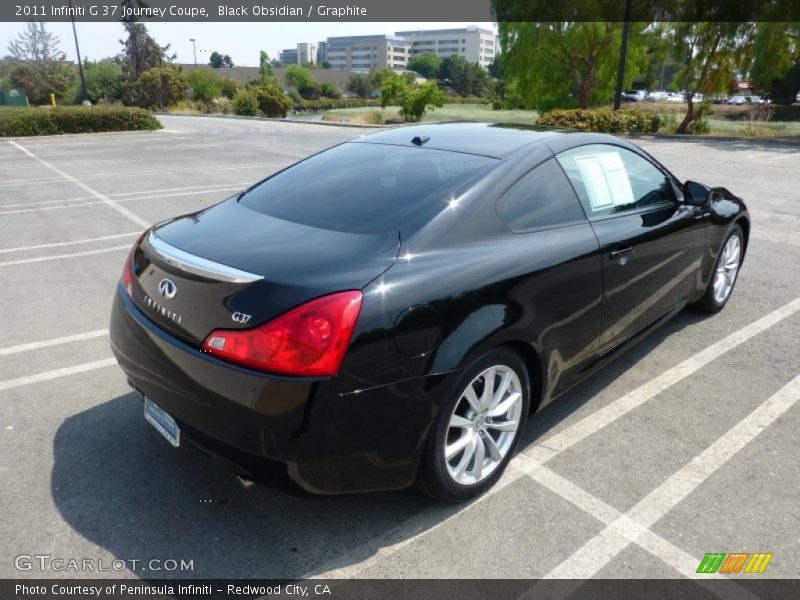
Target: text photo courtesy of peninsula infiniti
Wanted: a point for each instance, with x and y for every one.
(391, 311)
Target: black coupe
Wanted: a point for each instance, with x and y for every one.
(391, 310)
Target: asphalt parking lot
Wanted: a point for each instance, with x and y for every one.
(686, 445)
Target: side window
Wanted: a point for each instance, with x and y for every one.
(542, 198)
(609, 179)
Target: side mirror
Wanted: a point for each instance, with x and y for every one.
(696, 194)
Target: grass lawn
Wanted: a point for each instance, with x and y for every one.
(449, 112)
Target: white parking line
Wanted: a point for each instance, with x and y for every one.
(89, 190)
(626, 532)
(199, 188)
(72, 243)
(127, 174)
(24, 261)
(602, 548)
(56, 374)
(429, 520)
(67, 339)
(137, 198)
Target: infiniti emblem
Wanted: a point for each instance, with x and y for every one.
(167, 288)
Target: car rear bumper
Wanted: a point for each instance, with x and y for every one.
(331, 442)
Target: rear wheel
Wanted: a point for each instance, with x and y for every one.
(726, 269)
(477, 429)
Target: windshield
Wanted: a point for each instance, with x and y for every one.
(364, 187)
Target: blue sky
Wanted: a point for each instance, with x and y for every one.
(242, 41)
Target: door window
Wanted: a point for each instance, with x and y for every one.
(609, 180)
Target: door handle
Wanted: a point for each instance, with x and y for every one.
(620, 254)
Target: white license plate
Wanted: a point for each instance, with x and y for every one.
(161, 420)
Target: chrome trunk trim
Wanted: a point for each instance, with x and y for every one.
(183, 261)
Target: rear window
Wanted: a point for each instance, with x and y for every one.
(363, 187)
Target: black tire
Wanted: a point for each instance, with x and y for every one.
(709, 303)
(433, 477)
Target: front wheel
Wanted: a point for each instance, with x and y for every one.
(725, 272)
(477, 429)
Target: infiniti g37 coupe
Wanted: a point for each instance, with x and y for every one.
(390, 311)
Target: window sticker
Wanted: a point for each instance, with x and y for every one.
(606, 180)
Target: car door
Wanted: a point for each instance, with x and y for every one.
(561, 288)
(651, 242)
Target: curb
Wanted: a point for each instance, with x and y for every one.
(275, 120)
(714, 138)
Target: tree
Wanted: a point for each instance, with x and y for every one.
(206, 84)
(426, 64)
(43, 70)
(40, 79)
(464, 78)
(218, 61)
(215, 60)
(161, 86)
(711, 54)
(776, 52)
(380, 76)
(140, 53)
(265, 66)
(36, 44)
(413, 100)
(103, 80)
(325, 64)
(359, 85)
(302, 80)
(567, 64)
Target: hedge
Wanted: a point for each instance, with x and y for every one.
(333, 103)
(603, 120)
(74, 119)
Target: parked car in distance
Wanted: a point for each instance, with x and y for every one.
(634, 95)
(676, 97)
(719, 99)
(390, 311)
(797, 97)
(737, 100)
(657, 96)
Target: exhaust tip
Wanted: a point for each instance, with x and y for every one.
(245, 483)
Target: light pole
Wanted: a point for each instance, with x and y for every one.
(78, 52)
(194, 51)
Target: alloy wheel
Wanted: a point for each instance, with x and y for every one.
(483, 425)
(727, 269)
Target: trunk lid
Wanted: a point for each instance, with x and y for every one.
(229, 267)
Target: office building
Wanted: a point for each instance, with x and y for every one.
(306, 53)
(364, 53)
(475, 44)
(288, 57)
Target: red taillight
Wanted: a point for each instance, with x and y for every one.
(308, 340)
(127, 272)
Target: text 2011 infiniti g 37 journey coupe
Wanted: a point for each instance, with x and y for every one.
(390, 310)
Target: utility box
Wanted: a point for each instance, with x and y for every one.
(14, 97)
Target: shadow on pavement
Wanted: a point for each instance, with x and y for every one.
(124, 488)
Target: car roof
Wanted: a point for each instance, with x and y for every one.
(494, 140)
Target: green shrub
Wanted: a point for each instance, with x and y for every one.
(330, 91)
(333, 103)
(603, 120)
(245, 102)
(75, 119)
(271, 100)
(160, 87)
(206, 84)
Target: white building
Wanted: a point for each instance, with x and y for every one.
(307, 53)
(476, 45)
(365, 53)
